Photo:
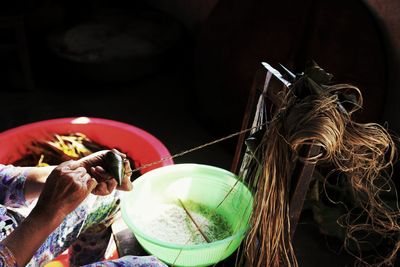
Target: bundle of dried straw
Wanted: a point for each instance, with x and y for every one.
(363, 153)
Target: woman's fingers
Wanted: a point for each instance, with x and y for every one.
(101, 189)
(111, 185)
(127, 169)
(91, 184)
(126, 184)
(81, 170)
(65, 188)
(100, 174)
(119, 153)
(106, 183)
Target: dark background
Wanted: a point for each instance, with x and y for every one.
(182, 70)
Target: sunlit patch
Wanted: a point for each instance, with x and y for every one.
(55, 264)
(81, 120)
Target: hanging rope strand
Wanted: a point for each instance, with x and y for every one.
(195, 148)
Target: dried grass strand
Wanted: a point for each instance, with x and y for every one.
(364, 153)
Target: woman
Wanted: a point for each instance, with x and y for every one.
(75, 207)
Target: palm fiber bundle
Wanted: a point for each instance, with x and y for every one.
(362, 153)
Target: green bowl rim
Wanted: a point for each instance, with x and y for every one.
(137, 232)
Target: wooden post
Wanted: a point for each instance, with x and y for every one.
(269, 82)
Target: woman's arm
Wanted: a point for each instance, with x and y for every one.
(35, 179)
(66, 187)
(36, 176)
(26, 239)
(60, 189)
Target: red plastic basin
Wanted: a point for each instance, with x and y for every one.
(136, 143)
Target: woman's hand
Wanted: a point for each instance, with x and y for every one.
(95, 163)
(66, 187)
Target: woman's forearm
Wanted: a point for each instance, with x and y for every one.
(35, 180)
(26, 239)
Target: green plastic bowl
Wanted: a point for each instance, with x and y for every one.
(203, 184)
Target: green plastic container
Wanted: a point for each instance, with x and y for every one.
(203, 184)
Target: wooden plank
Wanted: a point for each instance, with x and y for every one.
(258, 84)
(302, 175)
(300, 182)
(125, 241)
